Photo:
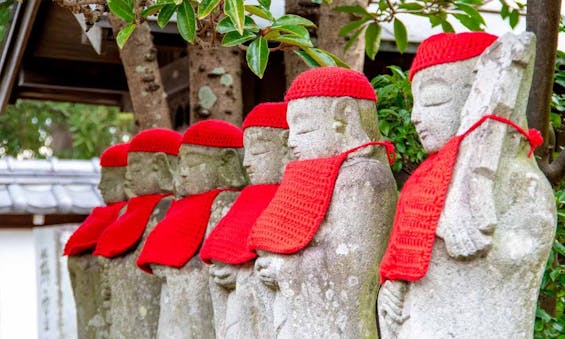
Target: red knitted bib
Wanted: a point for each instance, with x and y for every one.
(176, 238)
(228, 241)
(125, 232)
(419, 208)
(84, 238)
(299, 206)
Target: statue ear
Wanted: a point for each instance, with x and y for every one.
(345, 111)
(165, 171)
(228, 155)
(283, 136)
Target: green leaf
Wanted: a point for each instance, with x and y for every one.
(293, 40)
(299, 31)
(123, 9)
(225, 25)
(151, 10)
(352, 10)
(124, 35)
(265, 3)
(322, 58)
(206, 7)
(504, 11)
(468, 22)
(307, 59)
(372, 40)
(235, 10)
(352, 39)
(514, 18)
(336, 59)
(435, 20)
(446, 26)
(353, 25)
(471, 12)
(234, 38)
(260, 11)
(257, 56)
(291, 19)
(411, 6)
(400, 35)
(165, 15)
(186, 21)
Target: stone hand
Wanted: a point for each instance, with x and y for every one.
(390, 305)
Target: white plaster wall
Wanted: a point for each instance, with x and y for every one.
(18, 286)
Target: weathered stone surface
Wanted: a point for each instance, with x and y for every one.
(496, 228)
(328, 289)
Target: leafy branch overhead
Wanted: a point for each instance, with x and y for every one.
(231, 23)
(439, 13)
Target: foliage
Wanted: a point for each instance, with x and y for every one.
(439, 13)
(394, 108)
(6, 12)
(28, 129)
(231, 22)
(553, 283)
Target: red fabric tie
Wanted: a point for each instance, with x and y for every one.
(176, 238)
(228, 241)
(85, 237)
(299, 206)
(125, 232)
(420, 204)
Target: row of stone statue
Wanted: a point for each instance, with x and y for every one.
(288, 227)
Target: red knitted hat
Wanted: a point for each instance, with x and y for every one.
(444, 48)
(214, 133)
(115, 156)
(331, 82)
(267, 114)
(156, 140)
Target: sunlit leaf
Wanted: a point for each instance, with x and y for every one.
(299, 31)
(257, 56)
(186, 21)
(235, 10)
(225, 25)
(323, 59)
(359, 10)
(260, 11)
(307, 59)
(400, 35)
(352, 39)
(234, 38)
(265, 3)
(291, 19)
(123, 9)
(165, 15)
(124, 35)
(293, 40)
(205, 7)
(514, 18)
(471, 12)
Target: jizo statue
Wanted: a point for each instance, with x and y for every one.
(206, 181)
(322, 237)
(134, 303)
(248, 305)
(86, 272)
(475, 222)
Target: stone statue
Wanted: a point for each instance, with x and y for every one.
(85, 271)
(248, 302)
(134, 306)
(475, 270)
(209, 172)
(323, 235)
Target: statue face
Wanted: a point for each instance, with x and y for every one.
(224, 274)
(111, 184)
(266, 154)
(268, 267)
(148, 173)
(440, 93)
(202, 169)
(312, 128)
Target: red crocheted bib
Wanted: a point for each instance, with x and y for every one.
(299, 206)
(419, 208)
(126, 231)
(228, 241)
(85, 237)
(176, 238)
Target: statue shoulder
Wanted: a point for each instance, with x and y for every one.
(365, 171)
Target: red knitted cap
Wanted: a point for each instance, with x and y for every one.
(156, 140)
(444, 48)
(115, 156)
(331, 82)
(267, 114)
(214, 133)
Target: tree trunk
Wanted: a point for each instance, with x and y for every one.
(139, 58)
(328, 33)
(305, 8)
(215, 84)
(543, 20)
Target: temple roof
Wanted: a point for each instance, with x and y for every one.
(53, 186)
